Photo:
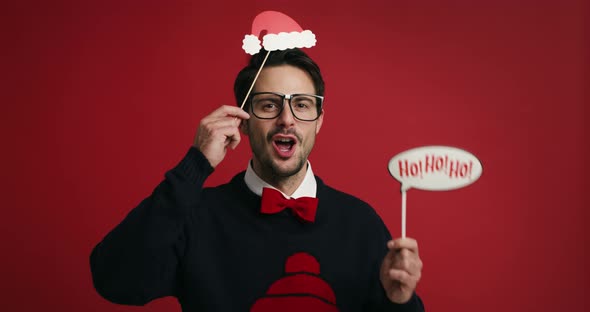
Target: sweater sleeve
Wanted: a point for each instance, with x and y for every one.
(137, 261)
(413, 305)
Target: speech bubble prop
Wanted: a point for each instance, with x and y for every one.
(281, 32)
(433, 168)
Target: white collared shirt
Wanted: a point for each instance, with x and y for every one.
(307, 188)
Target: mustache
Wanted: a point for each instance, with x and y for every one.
(283, 131)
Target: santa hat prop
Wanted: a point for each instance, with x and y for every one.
(280, 33)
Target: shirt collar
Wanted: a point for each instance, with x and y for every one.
(307, 188)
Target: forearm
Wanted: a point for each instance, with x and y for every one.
(137, 261)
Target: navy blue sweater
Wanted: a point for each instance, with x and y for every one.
(213, 250)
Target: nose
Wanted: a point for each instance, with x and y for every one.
(286, 118)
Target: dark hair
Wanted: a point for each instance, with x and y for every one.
(293, 57)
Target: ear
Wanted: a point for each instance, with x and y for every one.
(244, 127)
(320, 121)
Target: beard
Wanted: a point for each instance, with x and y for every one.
(280, 172)
(273, 169)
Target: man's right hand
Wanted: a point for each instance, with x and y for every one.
(218, 131)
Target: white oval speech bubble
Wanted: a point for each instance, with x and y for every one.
(435, 168)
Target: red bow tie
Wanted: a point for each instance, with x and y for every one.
(273, 201)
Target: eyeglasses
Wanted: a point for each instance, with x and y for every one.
(269, 105)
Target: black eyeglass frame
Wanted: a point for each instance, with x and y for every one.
(289, 97)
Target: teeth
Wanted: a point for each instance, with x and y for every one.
(284, 140)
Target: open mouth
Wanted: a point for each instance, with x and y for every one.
(284, 146)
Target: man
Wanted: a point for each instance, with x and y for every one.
(227, 249)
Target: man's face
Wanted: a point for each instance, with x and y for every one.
(281, 146)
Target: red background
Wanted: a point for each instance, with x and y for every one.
(101, 98)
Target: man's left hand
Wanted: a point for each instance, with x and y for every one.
(401, 269)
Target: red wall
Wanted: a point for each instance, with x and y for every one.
(101, 98)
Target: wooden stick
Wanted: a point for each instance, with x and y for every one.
(403, 214)
(253, 82)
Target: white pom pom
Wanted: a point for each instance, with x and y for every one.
(251, 44)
